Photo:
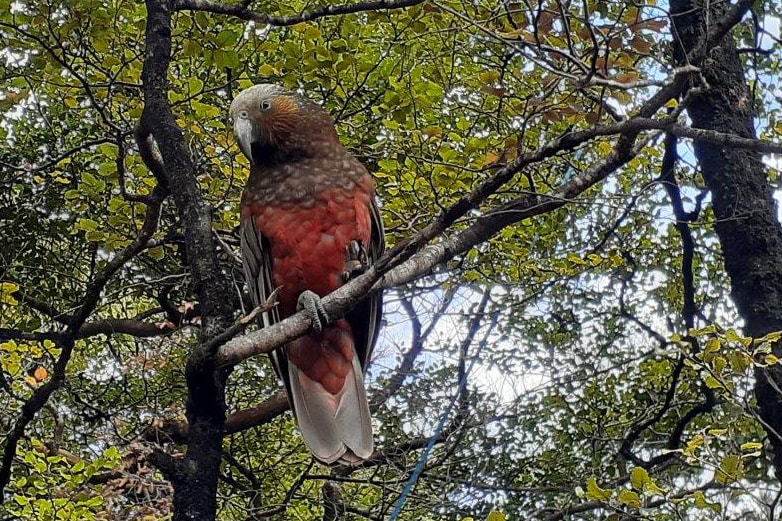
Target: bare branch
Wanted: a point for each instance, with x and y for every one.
(125, 326)
(107, 326)
(242, 324)
(64, 155)
(163, 431)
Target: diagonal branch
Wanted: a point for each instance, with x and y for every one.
(56, 159)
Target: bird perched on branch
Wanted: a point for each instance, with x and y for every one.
(310, 222)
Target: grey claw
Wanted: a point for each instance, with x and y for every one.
(355, 260)
(310, 302)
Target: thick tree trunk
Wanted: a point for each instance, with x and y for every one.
(195, 477)
(746, 225)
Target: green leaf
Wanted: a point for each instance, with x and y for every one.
(489, 76)
(112, 453)
(86, 224)
(195, 86)
(732, 336)
(94, 501)
(630, 498)
(751, 445)
(730, 470)
(267, 70)
(157, 253)
(226, 59)
(95, 236)
(639, 477)
(7, 289)
(594, 492)
(702, 502)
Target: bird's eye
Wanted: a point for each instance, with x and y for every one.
(266, 104)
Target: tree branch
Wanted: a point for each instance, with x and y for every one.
(164, 431)
(416, 346)
(240, 10)
(105, 326)
(64, 155)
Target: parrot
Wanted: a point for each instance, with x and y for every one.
(309, 222)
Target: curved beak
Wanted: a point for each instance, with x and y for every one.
(246, 134)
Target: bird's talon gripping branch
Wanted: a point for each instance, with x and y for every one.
(356, 261)
(310, 302)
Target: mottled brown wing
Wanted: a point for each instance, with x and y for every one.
(366, 317)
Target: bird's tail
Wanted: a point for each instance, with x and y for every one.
(337, 425)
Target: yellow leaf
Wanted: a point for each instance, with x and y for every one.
(575, 259)
(712, 383)
(732, 336)
(654, 488)
(6, 290)
(692, 445)
(712, 345)
(594, 491)
(432, 130)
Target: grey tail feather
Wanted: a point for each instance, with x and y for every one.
(336, 428)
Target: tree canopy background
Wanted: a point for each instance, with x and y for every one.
(583, 290)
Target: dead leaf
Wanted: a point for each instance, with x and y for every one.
(40, 373)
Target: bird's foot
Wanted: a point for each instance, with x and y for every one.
(310, 302)
(356, 261)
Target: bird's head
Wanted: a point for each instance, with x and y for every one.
(271, 122)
